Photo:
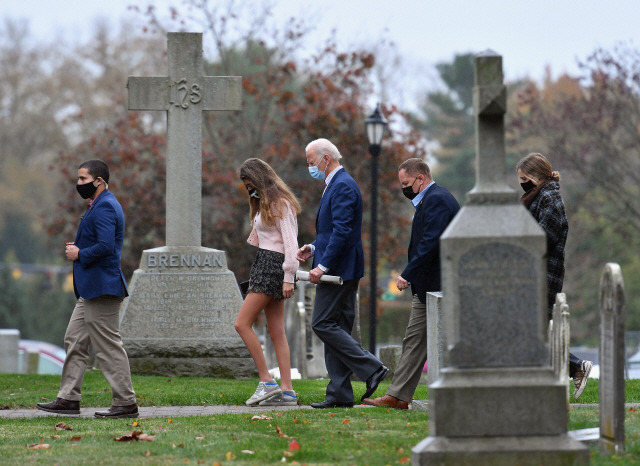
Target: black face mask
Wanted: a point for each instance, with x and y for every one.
(253, 193)
(408, 191)
(86, 190)
(528, 186)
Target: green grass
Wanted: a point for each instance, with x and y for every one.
(355, 436)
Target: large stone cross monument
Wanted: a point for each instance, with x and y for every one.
(497, 401)
(179, 317)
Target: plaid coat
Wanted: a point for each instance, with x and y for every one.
(548, 210)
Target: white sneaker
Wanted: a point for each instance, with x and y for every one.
(580, 378)
(286, 398)
(264, 391)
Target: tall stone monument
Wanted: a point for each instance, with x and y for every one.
(497, 401)
(179, 317)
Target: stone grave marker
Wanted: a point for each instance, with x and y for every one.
(179, 318)
(9, 342)
(435, 335)
(497, 400)
(612, 360)
(559, 338)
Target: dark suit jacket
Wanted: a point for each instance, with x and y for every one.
(338, 243)
(100, 235)
(432, 216)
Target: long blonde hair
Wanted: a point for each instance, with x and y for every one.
(537, 166)
(272, 190)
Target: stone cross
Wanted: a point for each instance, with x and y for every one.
(497, 400)
(612, 358)
(184, 94)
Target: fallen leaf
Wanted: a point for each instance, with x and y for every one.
(39, 446)
(287, 453)
(133, 436)
(404, 460)
(249, 452)
(146, 438)
(62, 426)
(76, 438)
(261, 417)
(217, 463)
(280, 433)
(331, 415)
(294, 445)
(229, 456)
(346, 421)
(181, 445)
(199, 438)
(170, 421)
(400, 450)
(147, 453)
(55, 436)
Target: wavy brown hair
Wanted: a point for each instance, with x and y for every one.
(537, 166)
(271, 189)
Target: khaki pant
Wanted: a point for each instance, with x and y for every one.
(96, 321)
(414, 354)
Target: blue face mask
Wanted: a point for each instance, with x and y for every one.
(317, 174)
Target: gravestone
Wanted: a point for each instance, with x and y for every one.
(179, 317)
(559, 338)
(497, 400)
(435, 335)
(612, 358)
(9, 343)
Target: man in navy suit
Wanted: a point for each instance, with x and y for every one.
(100, 287)
(435, 207)
(337, 250)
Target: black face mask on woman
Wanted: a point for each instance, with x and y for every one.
(86, 190)
(528, 186)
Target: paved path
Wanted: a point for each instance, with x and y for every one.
(160, 411)
(183, 411)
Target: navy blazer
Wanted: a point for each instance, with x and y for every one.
(432, 216)
(100, 236)
(338, 243)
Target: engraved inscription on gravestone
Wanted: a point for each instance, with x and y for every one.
(498, 284)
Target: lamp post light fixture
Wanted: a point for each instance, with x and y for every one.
(376, 125)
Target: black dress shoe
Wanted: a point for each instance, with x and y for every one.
(373, 381)
(331, 404)
(60, 406)
(117, 412)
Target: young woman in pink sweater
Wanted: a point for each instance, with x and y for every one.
(273, 210)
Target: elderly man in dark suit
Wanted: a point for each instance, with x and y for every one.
(337, 250)
(100, 287)
(435, 207)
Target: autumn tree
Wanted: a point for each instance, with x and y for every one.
(590, 129)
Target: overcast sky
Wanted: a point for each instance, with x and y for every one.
(530, 35)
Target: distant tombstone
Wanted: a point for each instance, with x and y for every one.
(179, 318)
(559, 338)
(612, 359)
(435, 335)
(9, 343)
(497, 400)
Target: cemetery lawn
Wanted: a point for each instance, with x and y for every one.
(349, 436)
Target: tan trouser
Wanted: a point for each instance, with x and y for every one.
(96, 321)
(414, 354)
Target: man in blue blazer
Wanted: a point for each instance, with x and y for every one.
(337, 250)
(435, 207)
(100, 287)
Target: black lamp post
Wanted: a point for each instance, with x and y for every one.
(375, 125)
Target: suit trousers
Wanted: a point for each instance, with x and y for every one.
(334, 312)
(96, 321)
(414, 354)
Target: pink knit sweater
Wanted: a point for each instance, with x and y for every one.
(282, 238)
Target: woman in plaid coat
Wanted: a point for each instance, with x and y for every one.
(542, 198)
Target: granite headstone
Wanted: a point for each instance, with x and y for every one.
(178, 319)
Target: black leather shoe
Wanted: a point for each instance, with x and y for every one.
(60, 406)
(331, 404)
(373, 381)
(117, 412)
